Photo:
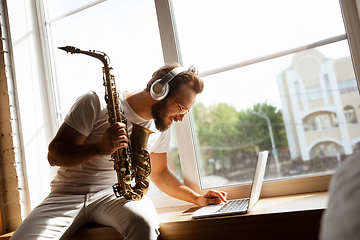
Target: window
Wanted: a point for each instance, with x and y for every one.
(306, 124)
(327, 84)
(260, 84)
(313, 93)
(327, 156)
(323, 122)
(350, 114)
(298, 92)
(348, 86)
(257, 65)
(320, 121)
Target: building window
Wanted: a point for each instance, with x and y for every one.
(348, 86)
(298, 91)
(328, 86)
(326, 156)
(313, 93)
(306, 124)
(320, 121)
(350, 114)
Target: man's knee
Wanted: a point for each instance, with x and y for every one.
(142, 227)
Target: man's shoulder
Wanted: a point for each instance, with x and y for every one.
(96, 96)
(93, 94)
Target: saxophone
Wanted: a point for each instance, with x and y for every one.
(132, 164)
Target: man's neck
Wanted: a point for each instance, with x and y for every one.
(141, 103)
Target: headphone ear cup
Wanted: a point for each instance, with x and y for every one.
(160, 88)
(158, 91)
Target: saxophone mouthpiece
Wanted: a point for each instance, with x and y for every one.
(70, 49)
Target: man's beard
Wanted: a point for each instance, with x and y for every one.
(158, 111)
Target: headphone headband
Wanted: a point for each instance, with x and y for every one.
(170, 75)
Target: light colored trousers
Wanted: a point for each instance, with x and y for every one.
(60, 215)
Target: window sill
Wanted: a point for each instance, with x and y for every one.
(283, 217)
(269, 205)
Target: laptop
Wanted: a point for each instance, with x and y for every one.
(238, 206)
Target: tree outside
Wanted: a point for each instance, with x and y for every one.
(229, 141)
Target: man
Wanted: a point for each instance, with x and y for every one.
(82, 192)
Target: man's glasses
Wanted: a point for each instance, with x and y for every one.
(183, 111)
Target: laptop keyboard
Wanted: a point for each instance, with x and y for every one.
(234, 205)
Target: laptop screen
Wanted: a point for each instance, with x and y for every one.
(258, 178)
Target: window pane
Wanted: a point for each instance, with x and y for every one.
(127, 31)
(215, 33)
(56, 9)
(265, 106)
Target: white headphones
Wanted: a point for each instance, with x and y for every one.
(160, 88)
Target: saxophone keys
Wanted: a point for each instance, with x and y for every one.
(136, 196)
(127, 179)
(144, 184)
(140, 171)
(117, 191)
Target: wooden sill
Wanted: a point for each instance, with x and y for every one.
(285, 217)
(270, 205)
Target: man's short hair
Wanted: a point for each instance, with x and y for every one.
(189, 78)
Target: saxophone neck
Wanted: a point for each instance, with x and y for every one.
(92, 53)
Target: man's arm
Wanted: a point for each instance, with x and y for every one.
(67, 149)
(167, 182)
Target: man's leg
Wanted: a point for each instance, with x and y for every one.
(57, 217)
(132, 219)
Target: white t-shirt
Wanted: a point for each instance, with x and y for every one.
(89, 117)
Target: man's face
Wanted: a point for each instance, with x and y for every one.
(173, 109)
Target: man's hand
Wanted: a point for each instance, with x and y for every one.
(115, 137)
(212, 197)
